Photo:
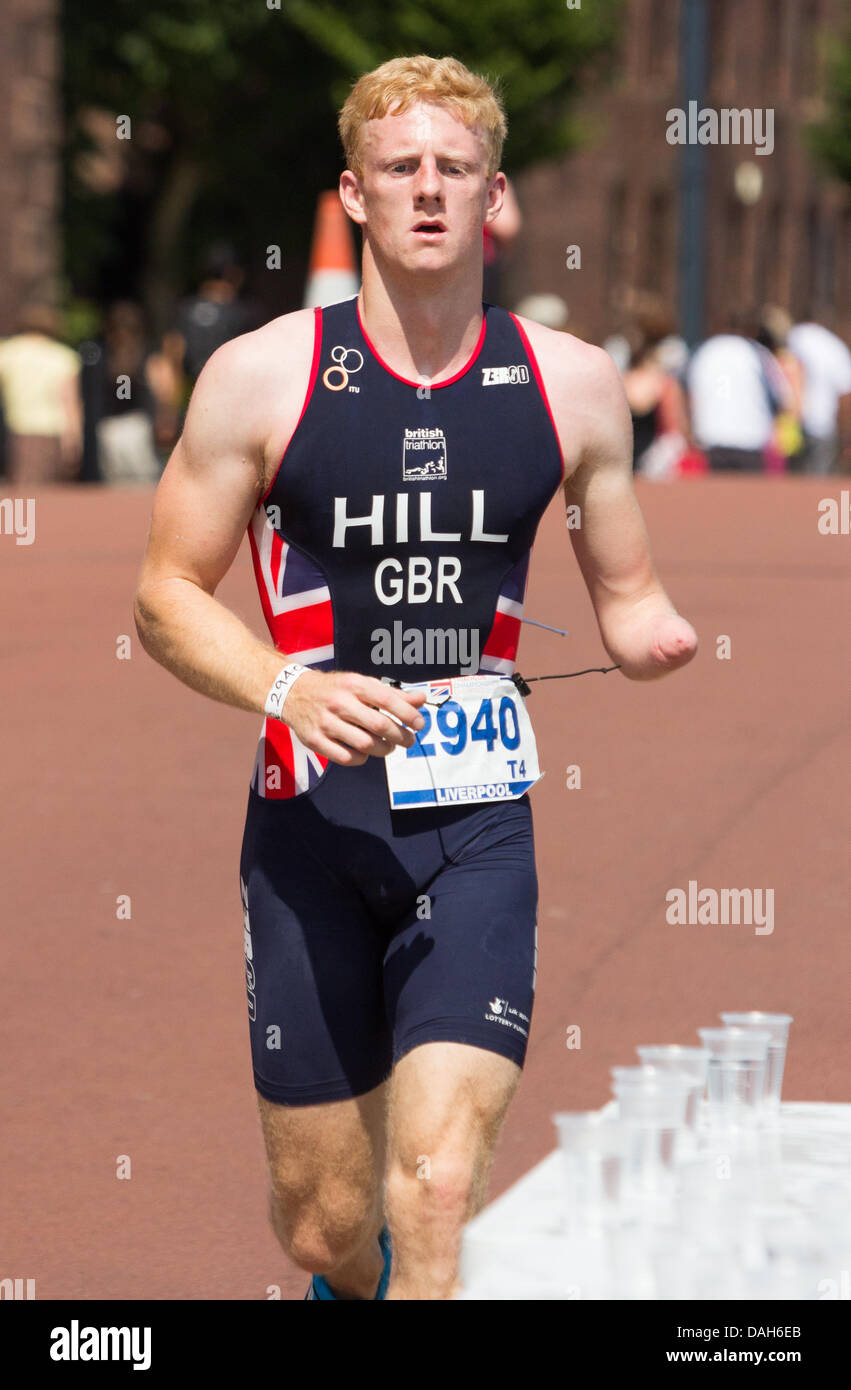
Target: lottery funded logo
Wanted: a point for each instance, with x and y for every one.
(499, 1011)
(423, 455)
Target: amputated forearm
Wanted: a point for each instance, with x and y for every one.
(646, 636)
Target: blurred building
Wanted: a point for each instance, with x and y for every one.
(30, 137)
(777, 229)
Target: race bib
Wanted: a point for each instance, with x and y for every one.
(477, 745)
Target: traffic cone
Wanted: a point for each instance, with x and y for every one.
(333, 273)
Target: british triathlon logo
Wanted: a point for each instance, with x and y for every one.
(346, 361)
(504, 376)
(423, 455)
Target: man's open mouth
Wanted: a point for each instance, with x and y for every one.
(429, 227)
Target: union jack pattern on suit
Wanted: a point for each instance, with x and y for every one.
(297, 607)
(500, 650)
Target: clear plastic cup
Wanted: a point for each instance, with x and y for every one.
(652, 1108)
(795, 1256)
(592, 1150)
(670, 1061)
(735, 1080)
(675, 1265)
(630, 1262)
(649, 1096)
(778, 1026)
(674, 1057)
(713, 1194)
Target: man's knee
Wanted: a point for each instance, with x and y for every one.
(443, 1138)
(322, 1228)
(437, 1180)
(325, 1166)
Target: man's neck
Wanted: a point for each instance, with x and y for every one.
(425, 329)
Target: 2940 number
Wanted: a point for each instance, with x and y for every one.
(451, 722)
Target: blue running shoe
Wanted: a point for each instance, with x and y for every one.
(387, 1247)
(319, 1288)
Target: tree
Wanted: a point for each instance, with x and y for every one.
(233, 116)
(831, 138)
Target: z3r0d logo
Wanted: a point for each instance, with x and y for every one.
(346, 361)
(504, 376)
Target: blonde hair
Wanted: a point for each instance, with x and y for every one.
(397, 84)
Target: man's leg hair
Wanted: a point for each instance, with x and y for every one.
(326, 1196)
(448, 1104)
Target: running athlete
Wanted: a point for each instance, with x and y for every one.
(391, 457)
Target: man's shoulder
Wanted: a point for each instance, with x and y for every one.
(283, 341)
(569, 362)
(585, 392)
(261, 372)
(251, 389)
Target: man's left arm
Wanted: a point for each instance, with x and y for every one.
(639, 625)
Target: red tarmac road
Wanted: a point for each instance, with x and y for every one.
(128, 1036)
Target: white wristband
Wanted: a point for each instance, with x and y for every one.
(280, 690)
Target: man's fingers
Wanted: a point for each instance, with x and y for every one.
(353, 735)
(402, 703)
(337, 752)
(347, 718)
(379, 724)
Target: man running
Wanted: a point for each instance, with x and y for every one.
(392, 456)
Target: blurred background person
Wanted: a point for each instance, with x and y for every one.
(826, 407)
(42, 406)
(128, 388)
(549, 309)
(213, 315)
(786, 449)
(657, 402)
(736, 389)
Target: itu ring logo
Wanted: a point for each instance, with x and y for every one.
(343, 367)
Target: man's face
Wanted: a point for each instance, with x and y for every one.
(424, 193)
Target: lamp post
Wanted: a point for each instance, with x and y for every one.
(692, 191)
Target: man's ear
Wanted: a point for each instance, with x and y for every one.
(496, 193)
(351, 196)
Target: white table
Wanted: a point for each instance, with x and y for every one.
(519, 1247)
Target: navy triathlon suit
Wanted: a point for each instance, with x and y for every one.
(398, 511)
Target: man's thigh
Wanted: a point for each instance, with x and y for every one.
(446, 1108)
(314, 967)
(465, 972)
(326, 1159)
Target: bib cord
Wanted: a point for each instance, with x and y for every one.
(523, 683)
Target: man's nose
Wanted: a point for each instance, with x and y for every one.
(429, 184)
